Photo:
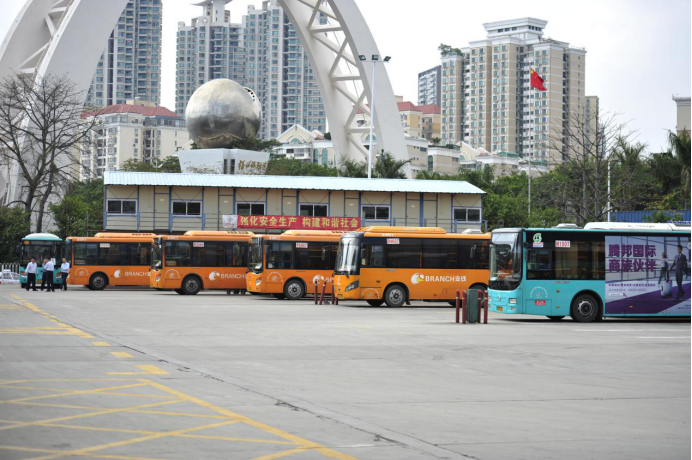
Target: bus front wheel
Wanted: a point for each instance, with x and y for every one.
(191, 285)
(375, 302)
(585, 309)
(98, 282)
(294, 290)
(395, 296)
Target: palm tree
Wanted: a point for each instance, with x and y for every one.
(435, 141)
(428, 175)
(352, 168)
(680, 148)
(387, 167)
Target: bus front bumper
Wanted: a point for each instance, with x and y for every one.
(504, 301)
(255, 282)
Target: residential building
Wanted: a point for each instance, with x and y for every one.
(261, 52)
(591, 120)
(312, 147)
(683, 114)
(136, 130)
(429, 86)
(130, 66)
(487, 100)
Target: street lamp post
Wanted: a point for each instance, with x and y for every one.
(375, 59)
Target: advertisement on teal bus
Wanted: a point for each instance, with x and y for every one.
(647, 275)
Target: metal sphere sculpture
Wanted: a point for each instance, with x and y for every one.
(220, 112)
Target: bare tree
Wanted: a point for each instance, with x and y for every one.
(579, 183)
(41, 125)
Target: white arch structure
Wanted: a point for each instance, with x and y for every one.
(66, 37)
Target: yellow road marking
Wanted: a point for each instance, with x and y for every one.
(134, 411)
(111, 445)
(87, 415)
(121, 354)
(327, 452)
(101, 344)
(77, 392)
(167, 433)
(285, 453)
(149, 369)
(51, 451)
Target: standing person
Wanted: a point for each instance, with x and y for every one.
(680, 267)
(31, 269)
(64, 271)
(664, 276)
(48, 275)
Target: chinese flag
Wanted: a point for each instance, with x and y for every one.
(537, 81)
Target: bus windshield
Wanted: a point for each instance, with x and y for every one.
(347, 256)
(39, 250)
(505, 261)
(255, 260)
(156, 254)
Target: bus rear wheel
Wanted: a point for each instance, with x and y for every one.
(294, 290)
(555, 318)
(375, 302)
(98, 282)
(585, 309)
(191, 285)
(395, 296)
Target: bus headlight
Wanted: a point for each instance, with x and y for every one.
(158, 278)
(258, 281)
(352, 286)
(512, 301)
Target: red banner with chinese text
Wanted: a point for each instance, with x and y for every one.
(299, 223)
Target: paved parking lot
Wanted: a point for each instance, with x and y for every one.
(130, 374)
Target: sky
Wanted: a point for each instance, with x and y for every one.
(638, 51)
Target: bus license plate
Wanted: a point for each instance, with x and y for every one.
(539, 303)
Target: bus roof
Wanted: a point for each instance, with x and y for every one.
(313, 232)
(210, 236)
(112, 239)
(124, 235)
(42, 236)
(605, 227)
(421, 232)
(383, 229)
(217, 232)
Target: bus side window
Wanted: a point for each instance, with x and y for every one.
(373, 256)
(598, 260)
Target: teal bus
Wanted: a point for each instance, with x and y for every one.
(601, 270)
(40, 246)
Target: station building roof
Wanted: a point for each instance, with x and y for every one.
(290, 182)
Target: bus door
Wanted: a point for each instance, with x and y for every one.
(280, 257)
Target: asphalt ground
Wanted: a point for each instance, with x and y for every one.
(134, 373)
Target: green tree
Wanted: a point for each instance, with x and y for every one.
(281, 166)
(436, 141)
(14, 225)
(171, 164)
(352, 168)
(680, 148)
(388, 167)
(446, 49)
(70, 214)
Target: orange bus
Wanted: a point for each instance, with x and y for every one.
(395, 265)
(115, 259)
(286, 265)
(200, 260)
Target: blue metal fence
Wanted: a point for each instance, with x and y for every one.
(682, 215)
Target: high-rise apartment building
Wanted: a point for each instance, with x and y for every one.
(130, 66)
(139, 131)
(429, 86)
(487, 100)
(262, 52)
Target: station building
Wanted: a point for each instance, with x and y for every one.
(174, 203)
